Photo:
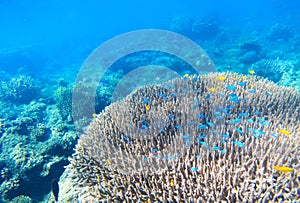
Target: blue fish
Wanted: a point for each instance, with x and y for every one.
(251, 91)
(231, 87)
(207, 96)
(242, 83)
(178, 127)
(239, 130)
(240, 144)
(210, 124)
(250, 120)
(203, 143)
(202, 126)
(225, 135)
(173, 94)
(146, 100)
(194, 169)
(163, 96)
(274, 135)
(234, 121)
(215, 148)
(171, 116)
(201, 136)
(243, 114)
(154, 149)
(202, 116)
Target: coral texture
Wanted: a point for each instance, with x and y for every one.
(211, 138)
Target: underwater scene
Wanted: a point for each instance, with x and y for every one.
(149, 101)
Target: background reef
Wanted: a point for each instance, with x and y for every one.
(43, 46)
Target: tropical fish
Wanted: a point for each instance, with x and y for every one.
(285, 132)
(94, 115)
(194, 169)
(145, 100)
(283, 169)
(221, 78)
(55, 189)
(240, 144)
(252, 72)
(231, 87)
(212, 89)
(147, 108)
(242, 83)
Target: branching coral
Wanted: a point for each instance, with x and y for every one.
(22, 89)
(272, 68)
(213, 138)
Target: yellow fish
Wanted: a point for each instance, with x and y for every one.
(94, 115)
(283, 169)
(244, 77)
(285, 132)
(221, 78)
(186, 75)
(147, 108)
(252, 72)
(212, 89)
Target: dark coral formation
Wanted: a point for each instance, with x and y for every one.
(199, 139)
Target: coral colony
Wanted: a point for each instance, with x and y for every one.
(221, 137)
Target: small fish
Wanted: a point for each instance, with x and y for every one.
(194, 169)
(283, 169)
(203, 143)
(177, 127)
(244, 77)
(202, 126)
(221, 78)
(154, 149)
(240, 144)
(210, 124)
(171, 116)
(225, 136)
(231, 87)
(242, 83)
(55, 189)
(186, 75)
(94, 115)
(207, 96)
(215, 148)
(234, 121)
(147, 108)
(243, 114)
(251, 90)
(285, 132)
(212, 89)
(145, 100)
(251, 72)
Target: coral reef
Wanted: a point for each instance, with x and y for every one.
(218, 137)
(195, 28)
(35, 144)
(22, 89)
(272, 68)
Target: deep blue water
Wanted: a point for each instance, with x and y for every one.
(65, 31)
(50, 40)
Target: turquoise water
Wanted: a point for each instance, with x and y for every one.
(46, 46)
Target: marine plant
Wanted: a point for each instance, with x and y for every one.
(220, 137)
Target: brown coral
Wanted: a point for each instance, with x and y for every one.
(210, 138)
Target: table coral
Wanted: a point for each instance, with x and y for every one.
(192, 144)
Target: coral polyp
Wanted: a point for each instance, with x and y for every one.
(182, 142)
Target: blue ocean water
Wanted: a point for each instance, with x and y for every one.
(43, 45)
